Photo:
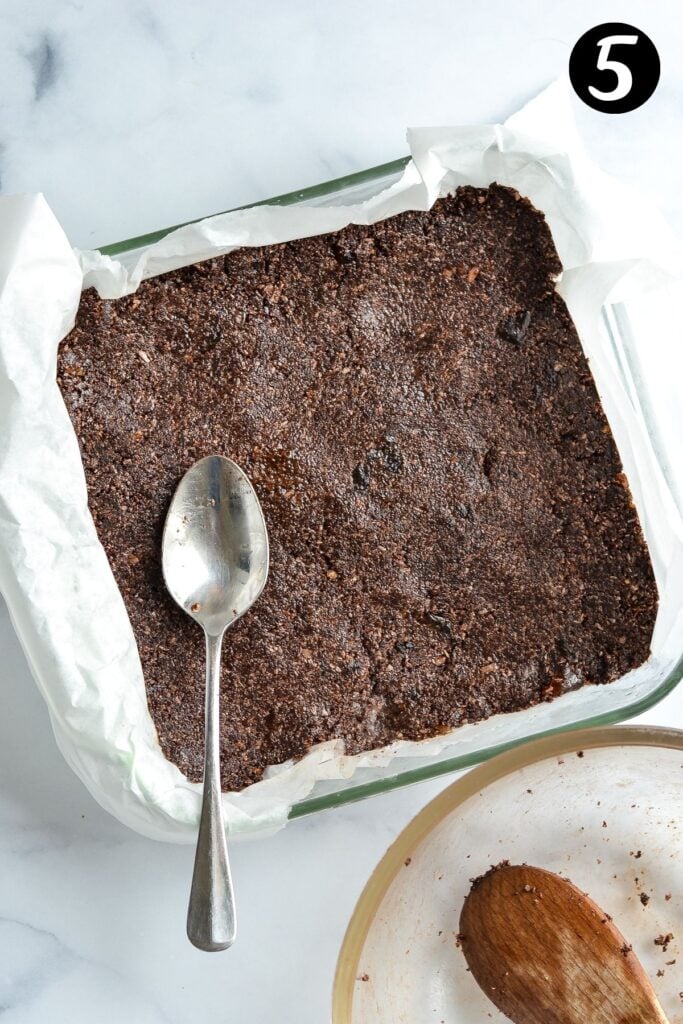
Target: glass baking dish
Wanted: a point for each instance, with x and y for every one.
(589, 706)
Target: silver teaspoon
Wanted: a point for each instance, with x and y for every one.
(215, 564)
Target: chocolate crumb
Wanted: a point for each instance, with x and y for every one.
(664, 940)
(476, 882)
(405, 646)
(361, 477)
(514, 328)
(444, 624)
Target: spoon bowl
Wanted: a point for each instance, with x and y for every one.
(215, 565)
(215, 544)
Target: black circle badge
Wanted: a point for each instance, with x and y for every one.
(614, 68)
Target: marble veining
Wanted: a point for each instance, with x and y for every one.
(134, 115)
(42, 975)
(44, 62)
(32, 960)
(140, 115)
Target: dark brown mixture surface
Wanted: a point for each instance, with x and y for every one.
(451, 533)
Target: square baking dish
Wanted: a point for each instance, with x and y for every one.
(659, 493)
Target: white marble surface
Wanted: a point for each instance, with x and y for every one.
(136, 115)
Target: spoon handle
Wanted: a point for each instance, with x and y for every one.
(211, 913)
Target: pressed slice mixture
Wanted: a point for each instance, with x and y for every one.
(451, 532)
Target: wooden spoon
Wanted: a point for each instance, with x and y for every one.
(545, 953)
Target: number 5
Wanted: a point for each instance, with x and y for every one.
(622, 71)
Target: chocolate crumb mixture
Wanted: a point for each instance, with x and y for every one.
(451, 532)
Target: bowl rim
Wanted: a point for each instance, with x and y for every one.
(445, 803)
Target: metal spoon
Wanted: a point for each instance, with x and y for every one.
(545, 953)
(215, 564)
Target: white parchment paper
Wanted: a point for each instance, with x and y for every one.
(54, 574)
